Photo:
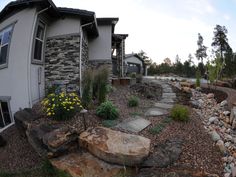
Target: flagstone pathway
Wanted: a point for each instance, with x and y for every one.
(159, 108)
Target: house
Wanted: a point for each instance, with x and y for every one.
(135, 64)
(42, 45)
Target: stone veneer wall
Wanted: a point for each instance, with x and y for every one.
(62, 61)
(95, 64)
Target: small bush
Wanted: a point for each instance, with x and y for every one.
(180, 113)
(133, 75)
(61, 106)
(87, 95)
(133, 101)
(157, 129)
(107, 111)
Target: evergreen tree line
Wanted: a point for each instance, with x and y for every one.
(220, 51)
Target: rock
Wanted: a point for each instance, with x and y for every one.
(227, 175)
(2, 141)
(114, 146)
(221, 146)
(165, 154)
(23, 118)
(210, 95)
(233, 171)
(195, 104)
(234, 124)
(35, 134)
(187, 84)
(233, 114)
(60, 141)
(226, 113)
(186, 89)
(86, 165)
(224, 103)
(213, 119)
(215, 136)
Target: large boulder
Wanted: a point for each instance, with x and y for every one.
(23, 119)
(60, 140)
(35, 134)
(86, 165)
(115, 146)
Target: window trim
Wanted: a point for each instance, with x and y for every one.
(33, 60)
(12, 25)
(7, 100)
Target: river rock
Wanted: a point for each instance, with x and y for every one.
(213, 119)
(221, 146)
(233, 114)
(226, 113)
(210, 95)
(223, 103)
(115, 146)
(215, 136)
(86, 165)
(233, 170)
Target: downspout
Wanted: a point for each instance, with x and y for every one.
(30, 53)
(122, 58)
(80, 55)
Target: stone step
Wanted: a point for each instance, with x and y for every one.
(115, 146)
(163, 105)
(156, 112)
(135, 125)
(167, 100)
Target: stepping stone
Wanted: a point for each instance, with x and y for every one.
(86, 165)
(168, 95)
(167, 90)
(156, 112)
(115, 146)
(135, 125)
(167, 100)
(163, 105)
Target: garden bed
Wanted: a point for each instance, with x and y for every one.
(197, 154)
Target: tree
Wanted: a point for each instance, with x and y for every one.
(220, 41)
(201, 51)
(167, 61)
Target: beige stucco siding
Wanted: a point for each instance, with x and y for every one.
(14, 78)
(100, 47)
(68, 25)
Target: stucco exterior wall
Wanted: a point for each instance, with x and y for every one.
(14, 78)
(100, 47)
(68, 25)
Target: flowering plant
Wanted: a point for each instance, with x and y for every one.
(61, 106)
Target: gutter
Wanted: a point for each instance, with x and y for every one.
(30, 54)
(80, 56)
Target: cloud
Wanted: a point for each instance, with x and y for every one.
(226, 17)
(200, 7)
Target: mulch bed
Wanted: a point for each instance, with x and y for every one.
(198, 152)
(218, 94)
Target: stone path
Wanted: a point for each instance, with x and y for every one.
(159, 108)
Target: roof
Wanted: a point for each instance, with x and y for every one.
(86, 16)
(134, 55)
(119, 37)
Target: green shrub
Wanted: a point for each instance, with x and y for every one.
(180, 113)
(101, 77)
(133, 101)
(139, 78)
(61, 106)
(87, 95)
(107, 111)
(133, 75)
(51, 89)
(157, 129)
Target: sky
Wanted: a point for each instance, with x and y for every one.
(163, 28)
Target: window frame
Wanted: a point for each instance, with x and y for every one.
(33, 60)
(6, 99)
(3, 30)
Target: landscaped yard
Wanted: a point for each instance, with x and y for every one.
(177, 147)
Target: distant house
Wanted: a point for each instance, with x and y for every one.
(135, 64)
(42, 45)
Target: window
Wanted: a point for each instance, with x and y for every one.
(39, 43)
(5, 38)
(5, 117)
